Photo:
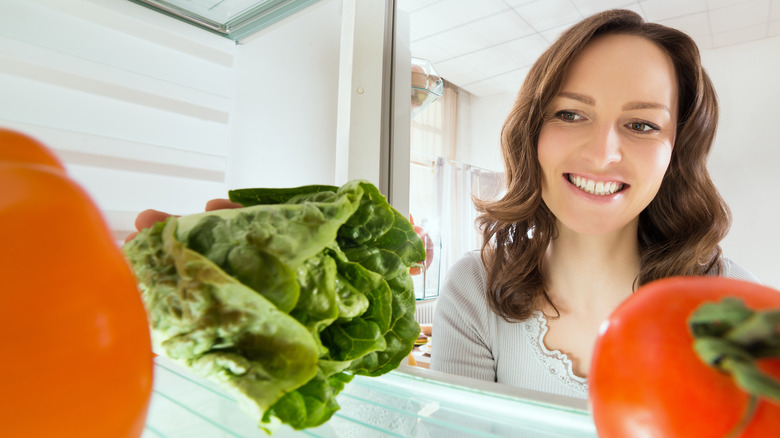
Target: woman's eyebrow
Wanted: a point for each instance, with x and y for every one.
(579, 97)
(628, 106)
(646, 105)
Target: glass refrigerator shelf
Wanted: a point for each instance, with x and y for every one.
(233, 19)
(427, 85)
(408, 402)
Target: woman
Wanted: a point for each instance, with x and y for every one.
(607, 189)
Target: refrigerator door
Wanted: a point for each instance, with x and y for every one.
(150, 112)
(409, 402)
(233, 19)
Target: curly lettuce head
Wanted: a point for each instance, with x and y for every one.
(284, 300)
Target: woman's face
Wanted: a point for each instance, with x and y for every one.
(608, 135)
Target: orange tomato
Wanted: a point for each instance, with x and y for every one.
(646, 380)
(20, 148)
(76, 348)
(429, 248)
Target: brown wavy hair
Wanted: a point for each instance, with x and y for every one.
(679, 231)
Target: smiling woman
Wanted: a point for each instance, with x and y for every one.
(147, 111)
(616, 132)
(605, 152)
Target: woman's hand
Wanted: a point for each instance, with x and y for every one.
(147, 218)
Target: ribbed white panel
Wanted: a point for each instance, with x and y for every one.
(424, 311)
(135, 103)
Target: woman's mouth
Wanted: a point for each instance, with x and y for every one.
(599, 188)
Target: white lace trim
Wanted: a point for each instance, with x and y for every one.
(557, 364)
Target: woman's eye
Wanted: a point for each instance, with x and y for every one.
(567, 116)
(642, 127)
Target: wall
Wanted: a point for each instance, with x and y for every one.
(479, 129)
(136, 104)
(746, 153)
(289, 139)
(743, 162)
(150, 112)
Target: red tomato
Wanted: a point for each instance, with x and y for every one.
(20, 148)
(647, 381)
(428, 242)
(76, 348)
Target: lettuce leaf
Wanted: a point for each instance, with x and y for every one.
(212, 323)
(283, 301)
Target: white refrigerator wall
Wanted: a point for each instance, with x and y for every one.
(743, 162)
(149, 112)
(136, 104)
(746, 153)
(285, 108)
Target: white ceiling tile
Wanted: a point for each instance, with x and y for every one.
(590, 7)
(484, 88)
(525, 50)
(513, 79)
(429, 49)
(739, 16)
(458, 72)
(430, 20)
(502, 27)
(470, 10)
(657, 10)
(486, 53)
(549, 14)
(587, 8)
(485, 63)
(551, 35)
(406, 5)
(637, 7)
(717, 4)
(491, 62)
(414, 5)
(739, 36)
(516, 3)
(460, 40)
(703, 41)
(774, 28)
(693, 24)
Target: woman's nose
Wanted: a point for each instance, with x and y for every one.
(603, 147)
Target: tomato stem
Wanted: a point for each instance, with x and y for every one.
(750, 411)
(756, 328)
(732, 338)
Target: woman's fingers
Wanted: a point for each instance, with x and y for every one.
(131, 236)
(221, 204)
(147, 218)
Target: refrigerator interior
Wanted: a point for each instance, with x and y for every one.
(409, 402)
(149, 112)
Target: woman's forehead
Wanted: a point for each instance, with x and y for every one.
(622, 66)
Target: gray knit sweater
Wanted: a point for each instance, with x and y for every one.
(470, 340)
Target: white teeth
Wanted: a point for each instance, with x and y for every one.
(595, 188)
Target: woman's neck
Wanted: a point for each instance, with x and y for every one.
(591, 274)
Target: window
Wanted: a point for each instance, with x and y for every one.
(441, 190)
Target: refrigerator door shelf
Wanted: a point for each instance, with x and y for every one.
(408, 402)
(233, 19)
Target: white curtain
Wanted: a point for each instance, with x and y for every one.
(441, 191)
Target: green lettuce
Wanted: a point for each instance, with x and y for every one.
(285, 300)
